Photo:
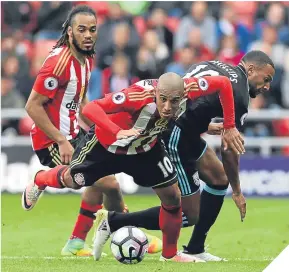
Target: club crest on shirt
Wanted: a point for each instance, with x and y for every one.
(118, 98)
(50, 83)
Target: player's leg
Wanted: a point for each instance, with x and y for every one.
(92, 200)
(82, 159)
(49, 157)
(188, 182)
(212, 173)
(170, 218)
(157, 166)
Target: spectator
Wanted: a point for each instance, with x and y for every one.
(134, 7)
(120, 44)
(116, 16)
(275, 17)
(198, 19)
(118, 76)
(11, 68)
(202, 52)
(95, 84)
(278, 52)
(229, 52)
(146, 66)
(172, 8)
(186, 59)
(10, 98)
(18, 15)
(50, 19)
(157, 22)
(157, 50)
(228, 25)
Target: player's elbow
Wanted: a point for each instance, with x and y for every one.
(28, 107)
(226, 81)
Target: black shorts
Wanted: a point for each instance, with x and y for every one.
(91, 161)
(184, 153)
(50, 156)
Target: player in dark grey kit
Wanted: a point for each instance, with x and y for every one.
(187, 149)
(193, 158)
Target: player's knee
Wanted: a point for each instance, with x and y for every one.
(75, 186)
(220, 179)
(174, 198)
(110, 186)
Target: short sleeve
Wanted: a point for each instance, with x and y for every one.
(46, 83)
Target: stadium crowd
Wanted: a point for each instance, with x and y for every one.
(138, 40)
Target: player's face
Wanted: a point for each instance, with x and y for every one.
(83, 33)
(260, 79)
(168, 102)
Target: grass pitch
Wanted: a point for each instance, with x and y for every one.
(32, 241)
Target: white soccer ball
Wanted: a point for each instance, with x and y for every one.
(129, 245)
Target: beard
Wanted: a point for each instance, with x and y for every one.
(253, 91)
(87, 53)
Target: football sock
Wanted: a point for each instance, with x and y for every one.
(212, 199)
(85, 220)
(51, 178)
(170, 220)
(147, 219)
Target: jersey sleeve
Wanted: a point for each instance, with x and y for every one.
(214, 84)
(240, 118)
(48, 79)
(129, 100)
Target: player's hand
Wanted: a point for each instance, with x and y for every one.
(240, 202)
(66, 151)
(232, 138)
(124, 134)
(215, 128)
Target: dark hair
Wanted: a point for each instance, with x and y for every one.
(258, 57)
(63, 40)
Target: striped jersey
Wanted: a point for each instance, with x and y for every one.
(135, 107)
(64, 81)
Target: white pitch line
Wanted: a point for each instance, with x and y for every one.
(111, 258)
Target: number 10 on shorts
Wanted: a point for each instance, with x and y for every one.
(166, 167)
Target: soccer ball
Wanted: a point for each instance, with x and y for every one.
(129, 245)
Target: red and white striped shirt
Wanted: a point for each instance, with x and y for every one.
(64, 80)
(135, 107)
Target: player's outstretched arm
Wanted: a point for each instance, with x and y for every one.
(231, 165)
(211, 84)
(35, 109)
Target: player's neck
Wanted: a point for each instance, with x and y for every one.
(80, 57)
(243, 66)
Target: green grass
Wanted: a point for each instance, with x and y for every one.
(31, 241)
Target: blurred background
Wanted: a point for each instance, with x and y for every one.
(139, 40)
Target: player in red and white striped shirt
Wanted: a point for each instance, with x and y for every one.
(134, 149)
(55, 103)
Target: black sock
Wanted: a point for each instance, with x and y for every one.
(147, 219)
(212, 199)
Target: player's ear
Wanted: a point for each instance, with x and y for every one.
(69, 31)
(251, 69)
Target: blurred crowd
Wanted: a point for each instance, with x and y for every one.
(140, 39)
